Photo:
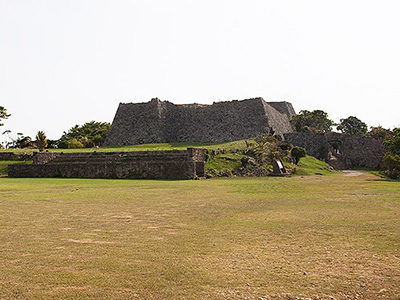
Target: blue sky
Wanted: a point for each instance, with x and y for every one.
(69, 62)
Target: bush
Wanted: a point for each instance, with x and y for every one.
(297, 153)
(267, 148)
(391, 165)
(74, 144)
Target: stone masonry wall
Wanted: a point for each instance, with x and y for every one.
(161, 121)
(128, 170)
(354, 150)
(175, 164)
(15, 156)
(41, 158)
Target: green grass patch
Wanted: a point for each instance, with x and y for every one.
(145, 147)
(228, 161)
(310, 166)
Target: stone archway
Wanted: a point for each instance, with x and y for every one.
(336, 146)
(335, 155)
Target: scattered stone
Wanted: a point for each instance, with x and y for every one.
(247, 160)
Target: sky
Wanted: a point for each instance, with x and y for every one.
(67, 62)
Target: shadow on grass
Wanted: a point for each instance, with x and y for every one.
(384, 179)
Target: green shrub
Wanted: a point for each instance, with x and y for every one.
(391, 165)
(297, 153)
(74, 144)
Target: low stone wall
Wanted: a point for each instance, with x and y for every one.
(175, 164)
(41, 158)
(352, 150)
(15, 156)
(130, 170)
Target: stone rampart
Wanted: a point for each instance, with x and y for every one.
(162, 121)
(41, 158)
(15, 156)
(175, 164)
(351, 150)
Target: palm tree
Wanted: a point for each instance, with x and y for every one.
(41, 140)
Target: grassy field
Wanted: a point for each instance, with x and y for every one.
(242, 238)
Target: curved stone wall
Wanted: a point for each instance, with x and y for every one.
(162, 121)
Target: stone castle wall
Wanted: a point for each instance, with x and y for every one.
(175, 164)
(15, 156)
(161, 121)
(351, 150)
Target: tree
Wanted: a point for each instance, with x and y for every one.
(315, 121)
(23, 141)
(41, 140)
(392, 145)
(380, 133)
(20, 141)
(352, 125)
(88, 135)
(3, 114)
(391, 160)
(297, 153)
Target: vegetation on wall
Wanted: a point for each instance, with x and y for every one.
(380, 133)
(256, 156)
(352, 125)
(312, 121)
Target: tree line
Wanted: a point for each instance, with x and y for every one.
(89, 135)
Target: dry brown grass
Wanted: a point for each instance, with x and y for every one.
(254, 238)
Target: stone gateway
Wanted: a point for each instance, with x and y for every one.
(163, 122)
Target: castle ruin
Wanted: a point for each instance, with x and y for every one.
(163, 122)
(171, 164)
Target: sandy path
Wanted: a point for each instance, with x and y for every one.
(352, 173)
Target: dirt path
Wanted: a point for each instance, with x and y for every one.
(352, 173)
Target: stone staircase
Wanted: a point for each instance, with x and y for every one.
(336, 161)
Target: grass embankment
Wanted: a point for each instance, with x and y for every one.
(144, 147)
(311, 166)
(240, 238)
